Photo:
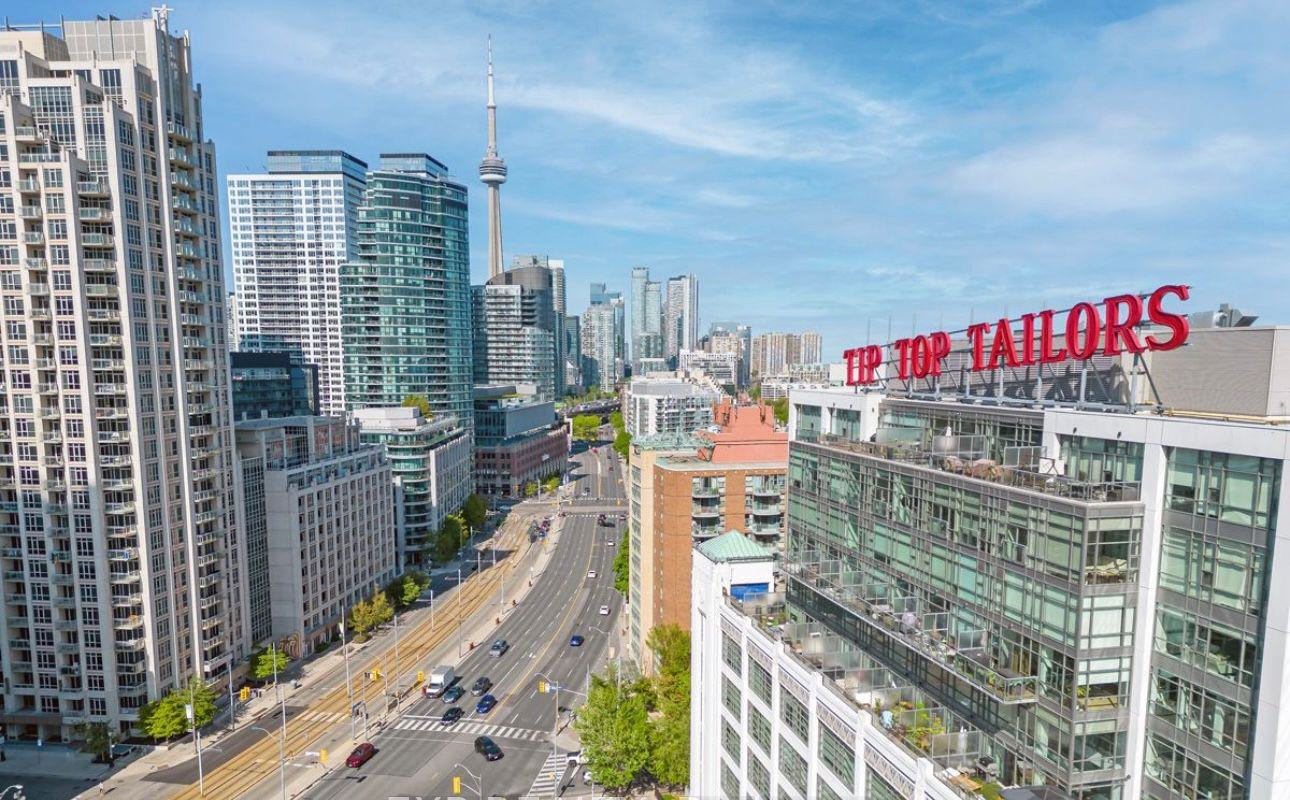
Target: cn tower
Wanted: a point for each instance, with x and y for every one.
(492, 171)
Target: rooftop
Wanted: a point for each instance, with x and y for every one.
(734, 546)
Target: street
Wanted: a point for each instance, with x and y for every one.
(417, 755)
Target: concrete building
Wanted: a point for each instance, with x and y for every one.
(599, 296)
(123, 553)
(654, 405)
(230, 322)
(517, 339)
(290, 229)
(722, 368)
(519, 439)
(802, 376)
(775, 353)
(734, 480)
(601, 365)
(432, 465)
(573, 357)
(731, 337)
(1061, 576)
(647, 317)
(320, 526)
(272, 385)
(811, 352)
(405, 302)
(680, 317)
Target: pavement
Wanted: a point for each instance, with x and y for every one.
(418, 755)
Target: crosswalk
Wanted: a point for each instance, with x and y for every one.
(473, 728)
(321, 716)
(549, 775)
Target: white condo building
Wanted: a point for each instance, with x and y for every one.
(290, 230)
(1064, 580)
(664, 404)
(123, 560)
(680, 316)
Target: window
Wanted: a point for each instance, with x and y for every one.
(792, 766)
(794, 715)
(730, 740)
(758, 777)
(1219, 650)
(729, 782)
(837, 756)
(759, 681)
(759, 727)
(732, 654)
(730, 696)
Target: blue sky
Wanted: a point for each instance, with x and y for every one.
(817, 164)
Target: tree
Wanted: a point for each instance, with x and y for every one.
(361, 620)
(781, 410)
(623, 444)
(165, 717)
(551, 483)
(670, 731)
(419, 401)
(267, 663)
(404, 590)
(474, 511)
(616, 419)
(755, 393)
(530, 489)
(586, 427)
(454, 531)
(622, 565)
(380, 608)
(97, 737)
(446, 543)
(614, 727)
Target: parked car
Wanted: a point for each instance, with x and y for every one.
(453, 694)
(452, 715)
(576, 640)
(591, 573)
(604, 611)
(485, 704)
(499, 648)
(482, 685)
(360, 755)
(488, 748)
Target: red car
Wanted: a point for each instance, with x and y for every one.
(361, 755)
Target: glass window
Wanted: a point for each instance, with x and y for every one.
(732, 654)
(758, 776)
(792, 766)
(759, 727)
(795, 715)
(730, 740)
(759, 681)
(837, 756)
(730, 696)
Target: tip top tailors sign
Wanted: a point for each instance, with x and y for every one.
(1108, 328)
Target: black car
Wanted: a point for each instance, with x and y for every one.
(488, 749)
(453, 694)
(499, 648)
(452, 715)
(481, 687)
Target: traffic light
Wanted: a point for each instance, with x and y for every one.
(244, 694)
(322, 757)
(541, 687)
(374, 675)
(421, 676)
(456, 786)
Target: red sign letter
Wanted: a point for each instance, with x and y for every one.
(1118, 330)
(1176, 323)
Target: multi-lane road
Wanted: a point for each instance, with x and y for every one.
(418, 755)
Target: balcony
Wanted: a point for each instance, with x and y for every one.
(33, 237)
(98, 265)
(102, 290)
(29, 185)
(94, 187)
(27, 133)
(93, 214)
(31, 212)
(35, 263)
(97, 240)
(703, 492)
(178, 131)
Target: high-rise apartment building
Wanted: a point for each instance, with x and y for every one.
(647, 316)
(123, 555)
(230, 322)
(722, 368)
(680, 317)
(290, 229)
(405, 301)
(602, 364)
(1010, 577)
(599, 296)
(731, 337)
(573, 379)
(272, 385)
(518, 440)
(517, 339)
(811, 349)
(773, 353)
(431, 463)
(668, 404)
(320, 526)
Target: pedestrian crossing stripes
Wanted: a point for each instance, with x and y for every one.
(320, 716)
(474, 728)
(549, 775)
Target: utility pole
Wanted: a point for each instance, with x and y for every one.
(349, 683)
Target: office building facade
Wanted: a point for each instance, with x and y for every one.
(573, 357)
(290, 230)
(320, 526)
(123, 558)
(272, 385)
(431, 463)
(405, 301)
(519, 440)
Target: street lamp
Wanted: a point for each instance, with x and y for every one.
(16, 789)
(282, 758)
(349, 683)
(555, 722)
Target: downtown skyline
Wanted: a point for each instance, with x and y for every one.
(952, 158)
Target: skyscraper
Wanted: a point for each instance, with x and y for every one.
(291, 229)
(405, 302)
(123, 552)
(601, 365)
(647, 316)
(516, 333)
(731, 337)
(599, 296)
(681, 316)
(811, 348)
(492, 172)
(573, 353)
(773, 353)
(555, 288)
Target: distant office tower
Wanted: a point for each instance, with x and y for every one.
(614, 299)
(811, 349)
(431, 460)
(573, 353)
(291, 229)
(556, 269)
(516, 339)
(718, 342)
(320, 526)
(272, 385)
(647, 316)
(492, 173)
(405, 302)
(601, 367)
(230, 322)
(123, 552)
(681, 316)
(556, 266)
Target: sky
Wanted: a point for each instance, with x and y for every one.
(845, 167)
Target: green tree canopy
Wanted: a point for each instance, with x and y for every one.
(622, 565)
(268, 662)
(780, 407)
(670, 731)
(616, 419)
(474, 511)
(614, 727)
(551, 483)
(623, 444)
(404, 590)
(164, 718)
(361, 620)
(381, 610)
(97, 737)
(530, 489)
(419, 401)
(446, 543)
(586, 427)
